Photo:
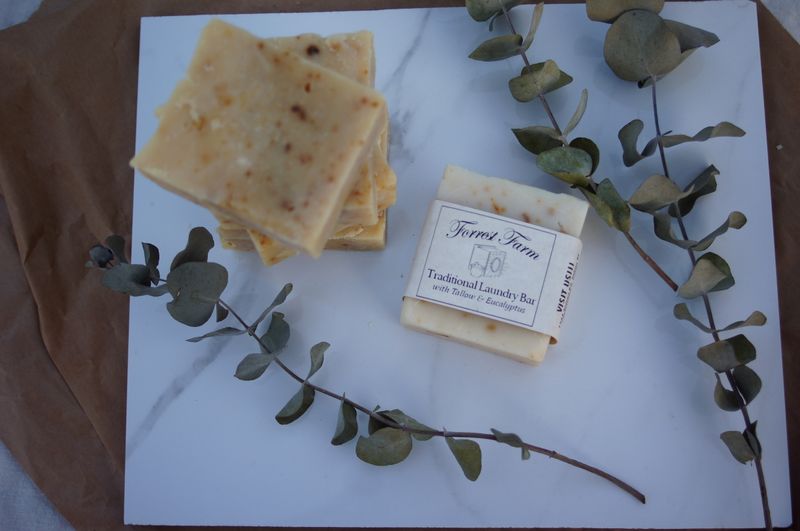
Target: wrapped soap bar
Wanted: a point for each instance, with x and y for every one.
(495, 265)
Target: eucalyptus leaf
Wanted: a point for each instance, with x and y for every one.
(589, 147)
(100, 256)
(374, 424)
(722, 129)
(710, 273)
(346, 425)
(754, 319)
(609, 205)
(703, 184)
(513, 440)
(571, 165)
(253, 366)
(690, 37)
(748, 382)
(536, 19)
(277, 335)
(116, 243)
(195, 287)
(222, 312)
(317, 357)
(640, 45)
(538, 79)
(131, 279)
(609, 10)
(296, 406)
(409, 422)
(629, 137)
(538, 139)
(736, 220)
(280, 298)
(225, 331)
(738, 446)
(387, 446)
(726, 400)
(728, 353)
(481, 10)
(198, 244)
(468, 456)
(498, 48)
(576, 117)
(752, 439)
(151, 257)
(662, 226)
(682, 313)
(655, 193)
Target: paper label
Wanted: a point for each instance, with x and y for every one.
(496, 267)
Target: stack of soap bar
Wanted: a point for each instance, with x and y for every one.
(559, 212)
(351, 55)
(264, 138)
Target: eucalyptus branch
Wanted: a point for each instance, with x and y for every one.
(196, 286)
(737, 392)
(412, 429)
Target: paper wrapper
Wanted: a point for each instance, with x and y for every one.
(67, 122)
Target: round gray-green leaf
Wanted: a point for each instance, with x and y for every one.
(151, 257)
(725, 399)
(587, 145)
(131, 279)
(710, 273)
(748, 382)
(497, 48)
(409, 422)
(609, 205)
(296, 406)
(317, 357)
(481, 10)
(691, 37)
(280, 298)
(224, 331)
(195, 286)
(346, 425)
(571, 165)
(387, 446)
(738, 446)
(277, 335)
(538, 79)
(629, 137)
(198, 244)
(537, 138)
(609, 10)
(253, 366)
(655, 193)
(513, 440)
(468, 456)
(728, 354)
(703, 184)
(640, 45)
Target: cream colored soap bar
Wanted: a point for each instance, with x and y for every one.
(268, 138)
(559, 212)
(371, 238)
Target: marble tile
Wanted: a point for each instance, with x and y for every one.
(622, 390)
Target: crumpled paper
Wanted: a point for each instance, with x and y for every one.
(68, 80)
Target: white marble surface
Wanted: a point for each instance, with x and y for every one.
(623, 389)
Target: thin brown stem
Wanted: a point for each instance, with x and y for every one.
(652, 263)
(437, 433)
(542, 99)
(762, 485)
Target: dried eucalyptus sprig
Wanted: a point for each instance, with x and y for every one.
(196, 286)
(575, 161)
(641, 46)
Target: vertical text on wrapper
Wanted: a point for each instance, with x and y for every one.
(566, 289)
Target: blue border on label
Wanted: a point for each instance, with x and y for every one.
(478, 212)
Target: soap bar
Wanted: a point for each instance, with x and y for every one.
(351, 55)
(559, 212)
(268, 138)
(372, 238)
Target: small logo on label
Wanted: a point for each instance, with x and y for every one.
(486, 261)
